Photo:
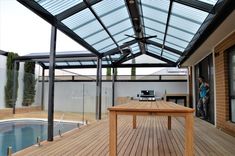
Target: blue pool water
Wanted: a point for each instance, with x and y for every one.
(23, 133)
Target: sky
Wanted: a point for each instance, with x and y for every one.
(24, 32)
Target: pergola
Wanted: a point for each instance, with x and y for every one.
(115, 31)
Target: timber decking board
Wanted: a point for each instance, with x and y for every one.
(151, 137)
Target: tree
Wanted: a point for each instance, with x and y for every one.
(133, 70)
(108, 73)
(29, 84)
(9, 87)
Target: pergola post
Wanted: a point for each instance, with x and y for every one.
(51, 84)
(42, 89)
(14, 87)
(113, 86)
(98, 88)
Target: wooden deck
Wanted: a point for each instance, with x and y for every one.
(150, 138)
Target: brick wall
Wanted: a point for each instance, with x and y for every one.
(222, 84)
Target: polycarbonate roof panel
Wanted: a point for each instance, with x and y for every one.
(115, 18)
(87, 63)
(155, 24)
(74, 63)
(169, 55)
(96, 37)
(154, 49)
(160, 9)
(123, 40)
(61, 63)
(107, 48)
(190, 13)
(160, 36)
(103, 24)
(79, 19)
(175, 46)
(184, 24)
(180, 33)
(120, 26)
(87, 29)
(56, 6)
(176, 42)
(135, 48)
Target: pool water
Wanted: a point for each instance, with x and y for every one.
(23, 133)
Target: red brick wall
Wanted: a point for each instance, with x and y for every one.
(222, 85)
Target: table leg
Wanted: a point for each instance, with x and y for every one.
(134, 121)
(112, 133)
(169, 122)
(189, 150)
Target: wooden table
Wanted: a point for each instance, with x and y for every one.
(161, 108)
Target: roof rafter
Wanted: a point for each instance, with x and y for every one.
(197, 5)
(167, 24)
(130, 57)
(102, 24)
(160, 58)
(115, 50)
(39, 10)
(123, 56)
(165, 47)
(136, 21)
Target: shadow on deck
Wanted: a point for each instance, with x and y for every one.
(150, 138)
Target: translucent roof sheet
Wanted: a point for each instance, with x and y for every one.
(135, 48)
(154, 49)
(104, 26)
(74, 63)
(171, 56)
(61, 63)
(55, 6)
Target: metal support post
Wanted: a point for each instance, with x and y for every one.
(14, 87)
(98, 88)
(42, 91)
(51, 84)
(113, 86)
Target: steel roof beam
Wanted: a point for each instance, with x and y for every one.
(115, 50)
(165, 47)
(197, 5)
(102, 24)
(134, 13)
(39, 10)
(129, 58)
(223, 9)
(126, 53)
(167, 24)
(161, 58)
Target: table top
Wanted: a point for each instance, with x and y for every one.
(153, 106)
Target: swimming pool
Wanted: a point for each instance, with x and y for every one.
(20, 134)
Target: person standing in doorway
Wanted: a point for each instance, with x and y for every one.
(203, 97)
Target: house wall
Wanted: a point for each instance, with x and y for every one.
(2, 80)
(222, 84)
(3, 77)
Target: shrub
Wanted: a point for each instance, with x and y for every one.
(29, 84)
(9, 101)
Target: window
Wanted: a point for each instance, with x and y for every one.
(232, 83)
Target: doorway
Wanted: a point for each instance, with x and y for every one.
(205, 68)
